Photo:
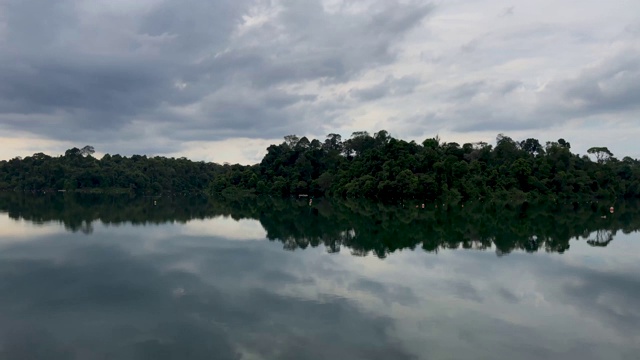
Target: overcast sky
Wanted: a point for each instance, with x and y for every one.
(220, 80)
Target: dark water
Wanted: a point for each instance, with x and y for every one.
(96, 277)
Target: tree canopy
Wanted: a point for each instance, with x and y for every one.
(374, 166)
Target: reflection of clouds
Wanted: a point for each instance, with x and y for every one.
(225, 227)
(387, 293)
(113, 294)
(520, 290)
(508, 296)
(99, 300)
(465, 291)
(611, 298)
(20, 230)
(32, 343)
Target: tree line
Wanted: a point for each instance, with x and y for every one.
(374, 166)
(78, 170)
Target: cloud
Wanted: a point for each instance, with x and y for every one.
(389, 87)
(601, 91)
(194, 70)
(508, 296)
(179, 73)
(466, 91)
(612, 86)
(508, 11)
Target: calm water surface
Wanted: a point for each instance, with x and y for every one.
(120, 278)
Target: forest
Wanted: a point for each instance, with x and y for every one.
(368, 166)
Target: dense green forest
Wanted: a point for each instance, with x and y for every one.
(360, 226)
(363, 166)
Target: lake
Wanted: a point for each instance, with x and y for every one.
(117, 277)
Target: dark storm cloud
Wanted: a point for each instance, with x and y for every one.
(50, 85)
(69, 65)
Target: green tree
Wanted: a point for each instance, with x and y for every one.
(602, 154)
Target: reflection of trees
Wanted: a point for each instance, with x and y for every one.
(86, 228)
(78, 211)
(383, 230)
(602, 239)
(361, 226)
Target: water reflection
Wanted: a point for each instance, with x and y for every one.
(63, 298)
(362, 227)
(172, 281)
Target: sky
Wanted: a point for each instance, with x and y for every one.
(220, 81)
